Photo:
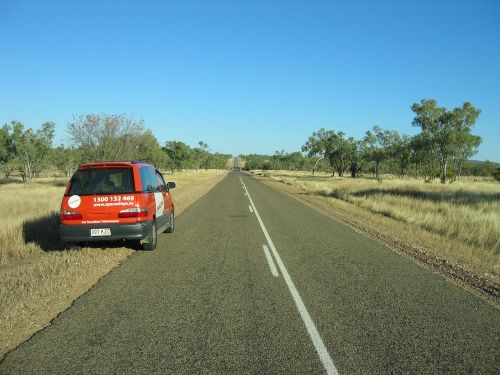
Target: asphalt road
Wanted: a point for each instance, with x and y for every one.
(206, 301)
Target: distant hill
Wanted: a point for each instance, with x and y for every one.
(481, 161)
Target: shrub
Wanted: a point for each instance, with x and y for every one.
(496, 174)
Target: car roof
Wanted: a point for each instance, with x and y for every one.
(103, 164)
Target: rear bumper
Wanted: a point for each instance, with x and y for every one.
(132, 231)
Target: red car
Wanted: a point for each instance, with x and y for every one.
(114, 201)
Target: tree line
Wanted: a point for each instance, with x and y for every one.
(94, 138)
(442, 148)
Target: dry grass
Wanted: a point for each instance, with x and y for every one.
(465, 214)
(38, 279)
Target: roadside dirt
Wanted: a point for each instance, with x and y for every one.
(485, 286)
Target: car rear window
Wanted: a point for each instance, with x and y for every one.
(102, 181)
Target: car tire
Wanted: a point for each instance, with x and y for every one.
(152, 238)
(171, 225)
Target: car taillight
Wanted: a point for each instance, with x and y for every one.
(71, 215)
(133, 212)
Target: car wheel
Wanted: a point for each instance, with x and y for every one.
(171, 226)
(152, 238)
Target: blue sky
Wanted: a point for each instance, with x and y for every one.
(250, 76)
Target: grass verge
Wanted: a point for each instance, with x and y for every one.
(453, 229)
(38, 279)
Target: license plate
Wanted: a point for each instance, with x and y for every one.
(100, 232)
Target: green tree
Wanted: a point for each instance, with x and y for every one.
(293, 161)
(317, 146)
(467, 146)
(480, 168)
(7, 151)
(445, 129)
(218, 161)
(376, 146)
(496, 173)
(339, 150)
(8, 167)
(399, 149)
(66, 159)
(147, 148)
(179, 153)
(277, 159)
(354, 156)
(254, 161)
(5, 144)
(201, 155)
(424, 156)
(103, 137)
(32, 149)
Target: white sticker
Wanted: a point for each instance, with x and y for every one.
(74, 201)
(160, 204)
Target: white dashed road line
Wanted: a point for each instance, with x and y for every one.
(274, 271)
(320, 347)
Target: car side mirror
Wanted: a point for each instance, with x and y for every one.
(170, 185)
